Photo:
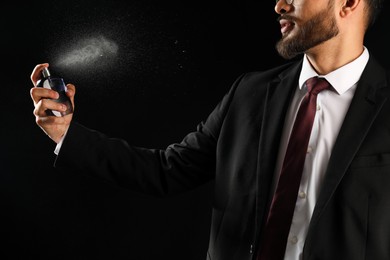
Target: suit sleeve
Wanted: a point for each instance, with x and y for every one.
(180, 167)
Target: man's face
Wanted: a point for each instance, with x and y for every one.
(300, 37)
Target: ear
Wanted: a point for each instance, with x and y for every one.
(349, 6)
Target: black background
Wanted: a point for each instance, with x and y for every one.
(175, 61)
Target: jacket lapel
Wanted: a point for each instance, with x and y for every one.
(365, 106)
(279, 93)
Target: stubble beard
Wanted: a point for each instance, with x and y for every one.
(312, 33)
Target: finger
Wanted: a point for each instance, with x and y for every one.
(46, 120)
(43, 105)
(70, 90)
(39, 93)
(50, 123)
(36, 73)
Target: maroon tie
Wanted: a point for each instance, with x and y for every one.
(280, 215)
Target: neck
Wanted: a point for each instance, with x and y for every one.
(332, 55)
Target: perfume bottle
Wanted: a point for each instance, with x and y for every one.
(56, 83)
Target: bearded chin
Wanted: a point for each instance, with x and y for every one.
(289, 48)
(311, 34)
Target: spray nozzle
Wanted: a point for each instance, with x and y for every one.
(46, 72)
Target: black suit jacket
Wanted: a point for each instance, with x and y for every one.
(237, 147)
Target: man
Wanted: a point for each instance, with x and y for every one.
(341, 204)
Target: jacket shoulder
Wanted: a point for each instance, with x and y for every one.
(268, 74)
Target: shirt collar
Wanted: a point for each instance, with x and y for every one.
(341, 79)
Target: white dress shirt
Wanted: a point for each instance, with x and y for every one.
(332, 106)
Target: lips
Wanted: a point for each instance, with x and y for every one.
(285, 26)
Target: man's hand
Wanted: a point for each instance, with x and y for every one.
(54, 127)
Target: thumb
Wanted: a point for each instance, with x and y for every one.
(71, 92)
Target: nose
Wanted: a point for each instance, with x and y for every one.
(282, 7)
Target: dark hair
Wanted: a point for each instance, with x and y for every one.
(374, 7)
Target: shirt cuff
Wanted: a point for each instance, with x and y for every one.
(59, 144)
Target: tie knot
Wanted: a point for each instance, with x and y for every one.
(315, 85)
